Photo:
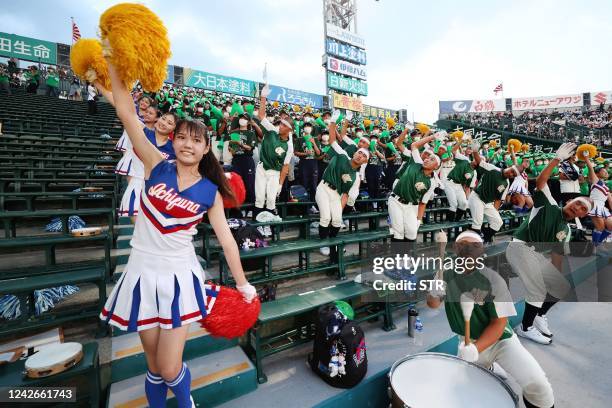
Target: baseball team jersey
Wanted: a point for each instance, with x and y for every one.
(491, 183)
(546, 222)
(169, 216)
(340, 174)
(248, 138)
(273, 150)
(413, 185)
(462, 173)
(492, 300)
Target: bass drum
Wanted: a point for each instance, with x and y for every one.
(436, 380)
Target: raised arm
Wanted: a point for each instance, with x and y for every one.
(565, 151)
(593, 179)
(126, 111)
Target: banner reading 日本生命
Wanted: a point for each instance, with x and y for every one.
(29, 49)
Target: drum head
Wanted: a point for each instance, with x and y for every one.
(435, 380)
(53, 354)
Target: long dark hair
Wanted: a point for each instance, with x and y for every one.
(209, 166)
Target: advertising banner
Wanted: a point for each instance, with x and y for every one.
(470, 106)
(346, 68)
(169, 74)
(347, 102)
(219, 83)
(293, 96)
(599, 97)
(344, 36)
(547, 102)
(345, 51)
(29, 49)
(376, 112)
(346, 84)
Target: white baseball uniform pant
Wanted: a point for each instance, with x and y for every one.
(330, 206)
(480, 210)
(266, 187)
(455, 194)
(404, 222)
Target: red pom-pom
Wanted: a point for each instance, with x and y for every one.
(237, 186)
(231, 316)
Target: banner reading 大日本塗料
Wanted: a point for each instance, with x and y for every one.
(29, 49)
(219, 83)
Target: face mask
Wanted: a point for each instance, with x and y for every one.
(325, 138)
(228, 109)
(243, 122)
(375, 131)
(307, 119)
(200, 110)
(327, 121)
(307, 130)
(255, 114)
(226, 114)
(359, 134)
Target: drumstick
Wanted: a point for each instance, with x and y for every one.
(467, 306)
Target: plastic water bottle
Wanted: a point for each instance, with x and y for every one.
(418, 332)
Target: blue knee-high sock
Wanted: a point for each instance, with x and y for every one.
(605, 234)
(180, 387)
(156, 390)
(596, 237)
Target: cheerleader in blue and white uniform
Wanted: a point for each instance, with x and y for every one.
(162, 289)
(600, 194)
(518, 192)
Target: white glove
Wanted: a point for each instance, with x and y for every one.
(349, 115)
(565, 151)
(248, 291)
(409, 126)
(265, 91)
(441, 135)
(91, 75)
(107, 51)
(335, 116)
(468, 353)
(475, 145)
(439, 292)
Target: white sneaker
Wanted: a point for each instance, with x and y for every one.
(314, 210)
(375, 205)
(250, 214)
(541, 323)
(533, 334)
(499, 371)
(324, 251)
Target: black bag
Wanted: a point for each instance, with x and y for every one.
(248, 237)
(579, 245)
(339, 350)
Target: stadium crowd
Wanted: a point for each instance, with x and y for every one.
(592, 126)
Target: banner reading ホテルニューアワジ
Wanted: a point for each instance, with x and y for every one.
(547, 102)
(219, 83)
(29, 49)
(346, 84)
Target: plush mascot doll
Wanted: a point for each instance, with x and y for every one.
(88, 63)
(136, 42)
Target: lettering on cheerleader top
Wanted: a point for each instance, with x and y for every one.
(172, 198)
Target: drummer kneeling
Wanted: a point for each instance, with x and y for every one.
(488, 307)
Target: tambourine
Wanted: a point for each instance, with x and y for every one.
(86, 232)
(53, 359)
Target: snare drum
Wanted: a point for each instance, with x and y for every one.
(53, 359)
(435, 380)
(86, 232)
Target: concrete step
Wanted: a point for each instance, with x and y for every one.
(128, 359)
(215, 378)
(124, 230)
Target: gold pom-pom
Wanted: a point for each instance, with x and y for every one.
(367, 123)
(390, 122)
(586, 148)
(87, 62)
(493, 144)
(457, 135)
(139, 44)
(525, 148)
(296, 108)
(516, 145)
(423, 128)
(308, 108)
(275, 104)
